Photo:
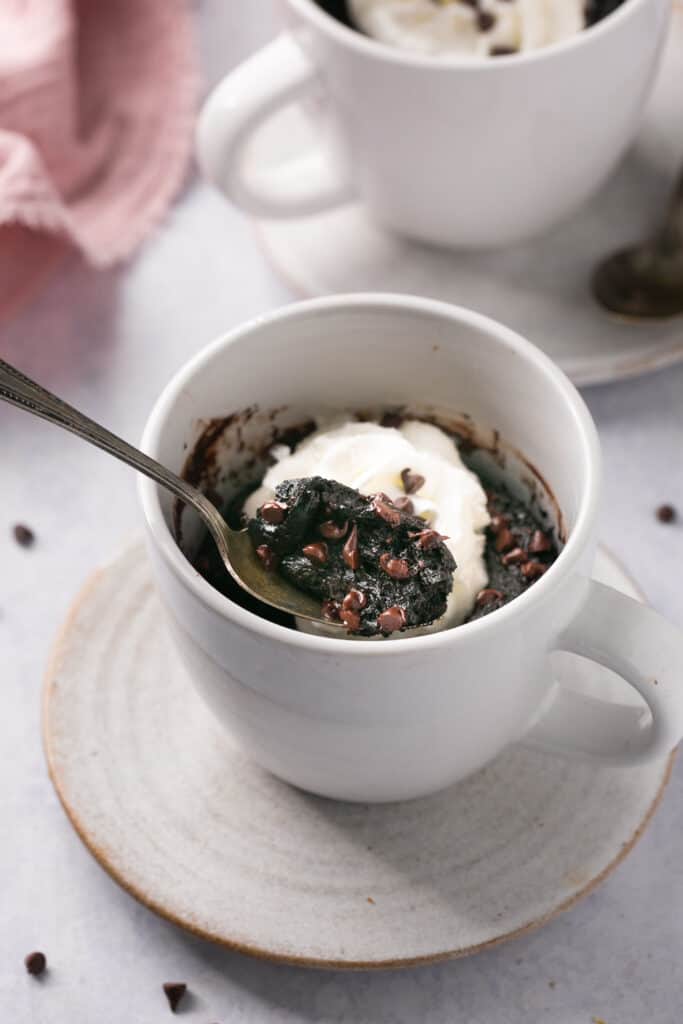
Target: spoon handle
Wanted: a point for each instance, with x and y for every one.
(23, 392)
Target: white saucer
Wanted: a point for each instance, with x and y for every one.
(203, 837)
(540, 288)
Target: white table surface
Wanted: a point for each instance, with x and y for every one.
(108, 343)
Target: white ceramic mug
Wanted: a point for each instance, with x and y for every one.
(457, 152)
(398, 719)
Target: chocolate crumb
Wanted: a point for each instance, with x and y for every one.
(317, 552)
(273, 512)
(351, 551)
(371, 901)
(498, 522)
(392, 619)
(333, 531)
(23, 535)
(268, 557)
(174, 992)
(397, 568)
(667, 514)
(392, 419)
(412, 482)
(35, 963)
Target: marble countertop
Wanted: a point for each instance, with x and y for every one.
(108, 342)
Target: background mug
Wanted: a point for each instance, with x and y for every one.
(457, 152)
(402, 718)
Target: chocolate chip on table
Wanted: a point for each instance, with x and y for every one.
(540, 542)
(351, 550)
(532, 570)
(333, 531)
(397, 568)
(514, 557)
(268, 557)
(354, 601)
(330, 610)
(384, 508)
(174, 992)
(316, 552)
(667, 514)
(392, 619)
(404, 504)
(488, 596)
(35, 963)
(23, 535)
(412, 482)
(273, 512)
(504, 540)
(485, 21)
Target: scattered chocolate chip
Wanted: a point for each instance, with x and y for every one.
(514, 557)
(332, 530)
(385, 510)
(404, 505)
(532, 570)
(502, 51)
(330, 610)
(504, 540)
(317, 552)
(667, 514)
(351, 551)
(392, 619)
(35, 963)
(427, 539)
(350, 619)
(354, 601)
(397, 568)
(486, 21)
(268, 557)
(540, 543)
(488, 596)
(273, 512)
(23, 535)
(412, 482)
(174, 992)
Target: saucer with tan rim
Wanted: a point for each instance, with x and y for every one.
(202, 836)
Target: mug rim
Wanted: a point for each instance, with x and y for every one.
(345, 35)
(182, 569)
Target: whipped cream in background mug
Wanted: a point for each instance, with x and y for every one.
(457, 27)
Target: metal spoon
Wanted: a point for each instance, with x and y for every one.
(234, 546)
(646, 282)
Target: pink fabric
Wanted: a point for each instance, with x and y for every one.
(97, 101)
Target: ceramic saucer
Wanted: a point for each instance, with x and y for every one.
(202, 836)
(539, 288)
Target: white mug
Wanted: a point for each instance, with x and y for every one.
(452, 151)
(397, 719)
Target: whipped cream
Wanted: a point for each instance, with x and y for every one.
(460, 28)
(370, 458)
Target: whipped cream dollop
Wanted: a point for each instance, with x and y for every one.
(371, 458)
(463, 28)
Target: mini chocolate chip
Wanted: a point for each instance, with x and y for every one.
(504, 540)
(354, 600)
(498, 522)
(317, 552)
(385, 510)
(488, 596)
(35, 963)
(23, 535)
(412, 482)
(332, 530)
(667, 514)
(532, 570)
(273, 512)
(486, 21)
(427, 539)
(514, 557)
(268, 557)
(404, 505)
(330, 610)
(392, 619)
(350, 619)
(540, 542)
(351, 551)
(397, 568)
(174, 992)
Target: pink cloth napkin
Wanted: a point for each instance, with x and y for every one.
(97, 102)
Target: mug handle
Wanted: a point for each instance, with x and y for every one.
(647, 651)
(278, 75)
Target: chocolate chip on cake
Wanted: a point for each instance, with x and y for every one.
(268, 557)
(317, 552)
(385, 509)
(412, 482)
(532, 570)
(350, 619)
(488, 596)
(351, 550)
(540, 543)
(514, 557)
(392, 619)
(174, 992)
(667, 514)
(428, 539)
(330, 610)
(273, 512)
(35, 963)
(397, 568)
(354, 601)
(23, 535)
(333, 531)
(504, 540)
(404, 504)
